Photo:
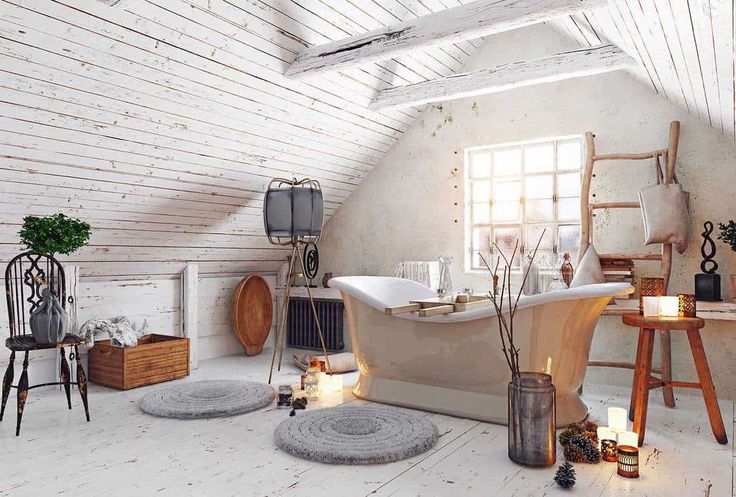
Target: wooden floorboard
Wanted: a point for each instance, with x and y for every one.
(125, 452)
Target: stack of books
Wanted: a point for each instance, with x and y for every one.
(618, 270)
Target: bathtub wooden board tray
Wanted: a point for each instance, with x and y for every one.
(438, 307)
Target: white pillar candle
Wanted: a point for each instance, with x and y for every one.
(330, 383)
(617, 419)
(668, 307)
(650, 306)
(605, 433)
(629, 438)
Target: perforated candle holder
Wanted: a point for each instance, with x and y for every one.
(609, 452)
(649, 287)
(687, 306)
(628, 461)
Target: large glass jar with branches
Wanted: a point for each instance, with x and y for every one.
(531, 394)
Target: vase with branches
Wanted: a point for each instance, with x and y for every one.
(531, 395)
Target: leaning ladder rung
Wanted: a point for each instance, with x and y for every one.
(615, 205)
(638, 257)
(643, 156)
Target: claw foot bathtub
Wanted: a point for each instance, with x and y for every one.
(453, 364)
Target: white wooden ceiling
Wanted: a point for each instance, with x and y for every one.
(685, 49)
(161, 121)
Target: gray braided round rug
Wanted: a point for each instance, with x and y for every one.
(356, 435)
(207, 399)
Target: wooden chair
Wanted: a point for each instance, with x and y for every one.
(25, 277)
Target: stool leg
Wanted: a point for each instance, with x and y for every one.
(643, 373)
(706, 385)
(639, 348)
(7, 382)
(665, 345)
(65, 377)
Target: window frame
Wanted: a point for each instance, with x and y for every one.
(522, 222)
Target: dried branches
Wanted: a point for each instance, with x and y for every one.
(506, 325)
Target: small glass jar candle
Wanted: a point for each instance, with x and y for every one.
(687, 305)
(285, 396)
(312, 374)
(311, 389)
(609, 450)
(628, 461)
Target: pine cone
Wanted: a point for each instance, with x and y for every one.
(565, 476)
(573, 453)
(588, 448)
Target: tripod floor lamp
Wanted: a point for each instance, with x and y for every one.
(293, 211)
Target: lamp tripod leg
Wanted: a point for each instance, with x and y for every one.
(316, 320)
(282, 340)
(281, 330)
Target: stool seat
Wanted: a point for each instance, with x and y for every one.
(644, 381)
(663, 323)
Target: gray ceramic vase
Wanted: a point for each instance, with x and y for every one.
(49, 321)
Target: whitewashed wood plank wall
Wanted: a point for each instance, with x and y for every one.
(685, 48)
(161, 121)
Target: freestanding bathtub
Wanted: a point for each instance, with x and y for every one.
(453, 364)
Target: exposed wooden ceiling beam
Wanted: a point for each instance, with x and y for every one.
(474, 20)
(565, 65)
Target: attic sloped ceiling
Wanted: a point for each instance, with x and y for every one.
(161, 121)
(685, 49)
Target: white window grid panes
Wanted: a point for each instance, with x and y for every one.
(500, 203)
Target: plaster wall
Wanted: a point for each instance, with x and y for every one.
(411, 206)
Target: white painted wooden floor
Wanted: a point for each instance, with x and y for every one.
(125, 452)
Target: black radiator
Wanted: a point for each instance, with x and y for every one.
(301, 330)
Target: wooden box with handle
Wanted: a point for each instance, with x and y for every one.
(155, 359)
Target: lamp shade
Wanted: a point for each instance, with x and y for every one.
(293, 210)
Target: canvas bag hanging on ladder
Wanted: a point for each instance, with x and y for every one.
(665, 212)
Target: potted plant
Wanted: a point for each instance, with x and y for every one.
(531, 395)
(51, 235)
(728, 235)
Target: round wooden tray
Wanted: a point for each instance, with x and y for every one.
(251, 313)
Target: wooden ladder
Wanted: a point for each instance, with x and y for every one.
(665, 256)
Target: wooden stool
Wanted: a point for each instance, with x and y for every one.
(644, 381)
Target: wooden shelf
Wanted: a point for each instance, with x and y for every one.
(721, 311)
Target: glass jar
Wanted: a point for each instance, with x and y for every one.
(311, 389)
(531, 411)
(285, 396)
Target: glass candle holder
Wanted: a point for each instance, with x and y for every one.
(609, 450)
(687, 305)
(285, 396)
(628, 461)
(649, 287)
(311, 389)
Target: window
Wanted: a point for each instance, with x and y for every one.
(515, 191)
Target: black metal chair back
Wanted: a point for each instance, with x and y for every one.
(25, 278)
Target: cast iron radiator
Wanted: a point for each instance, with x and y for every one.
(301, 330)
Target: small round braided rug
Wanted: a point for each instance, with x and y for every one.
(207, 399)
(356, 435)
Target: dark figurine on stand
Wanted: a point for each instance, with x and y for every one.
(708, 283)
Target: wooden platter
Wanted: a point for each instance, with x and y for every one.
(437, 307)
(251, 313)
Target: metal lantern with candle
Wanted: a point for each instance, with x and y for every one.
(628, 461)
(649, 287)
(687, 305)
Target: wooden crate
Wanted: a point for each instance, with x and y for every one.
(156, 358)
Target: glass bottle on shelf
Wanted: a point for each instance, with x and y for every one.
(531, 269)
(445, 285)
(566, 270)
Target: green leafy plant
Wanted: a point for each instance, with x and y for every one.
(728, 234)
(51, 235)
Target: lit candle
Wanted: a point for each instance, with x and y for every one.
(669, 307)
(605, 433)
(650, 306)
(617, 419)
(628, 438)
(330, 383)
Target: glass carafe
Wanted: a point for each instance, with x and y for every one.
(445, 284)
